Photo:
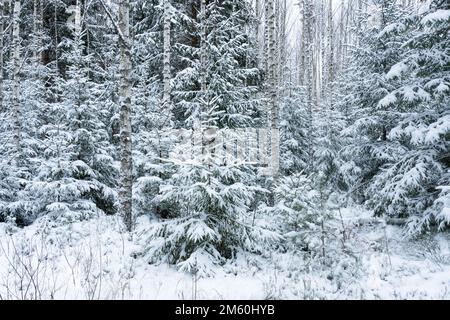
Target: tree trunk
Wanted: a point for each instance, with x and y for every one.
(16, 80)
(283, 43)
(277, 46)
(166, 59)
(309, 73)
(331, 53)
(41, 31)
(302, 48)
(2, 9)
(340, 43)
(265, 62)
(272, 83)
(126, 164)
(259, 43)
(77, 20)
(202, 45)
(35, 35)
(323, 53)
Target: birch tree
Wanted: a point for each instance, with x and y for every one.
(2, 25)
(281, 62)
(259, 40)
(205, 194)
(330, 62)
(16, 79)
(308, 66)
(126, 161)
(266, 37)
(166, 59)
(272, 85)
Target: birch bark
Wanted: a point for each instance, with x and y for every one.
(2, 9)
(16, 80)
(309, 72)
(126, 163)
(273, 99)
(257, 31)
(331, 52)
(166, 59)
(267, 22)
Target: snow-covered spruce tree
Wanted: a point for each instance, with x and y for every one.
(420, 79)
(10, 182)
(77, 176)
(399, 115)
(152, 142)
(369, 121)
(208, 196)
(328, 124)
(230, 59)
(22, 94)
(330, 119)
(441, 206)
(100, 37)
(294, 126)
(152, 120)
(302, 210)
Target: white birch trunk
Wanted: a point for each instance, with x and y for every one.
(41, 29)
(309, 72)
(273, 99)
(202, 44)
(35, 36)
(265, 61)
(2, 10)
(277, 46)
(331, 53)
(282, 43)
(301, 69)
(126, 163)
(346, 36)
(78, 18)
(323, 78)
(16, 79)
(166, 59)
(259, 42)
(204, 107)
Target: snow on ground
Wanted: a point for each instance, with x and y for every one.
(93, 260)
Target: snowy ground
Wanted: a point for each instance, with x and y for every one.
(91, 260)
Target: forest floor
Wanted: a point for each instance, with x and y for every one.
(92, 260)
